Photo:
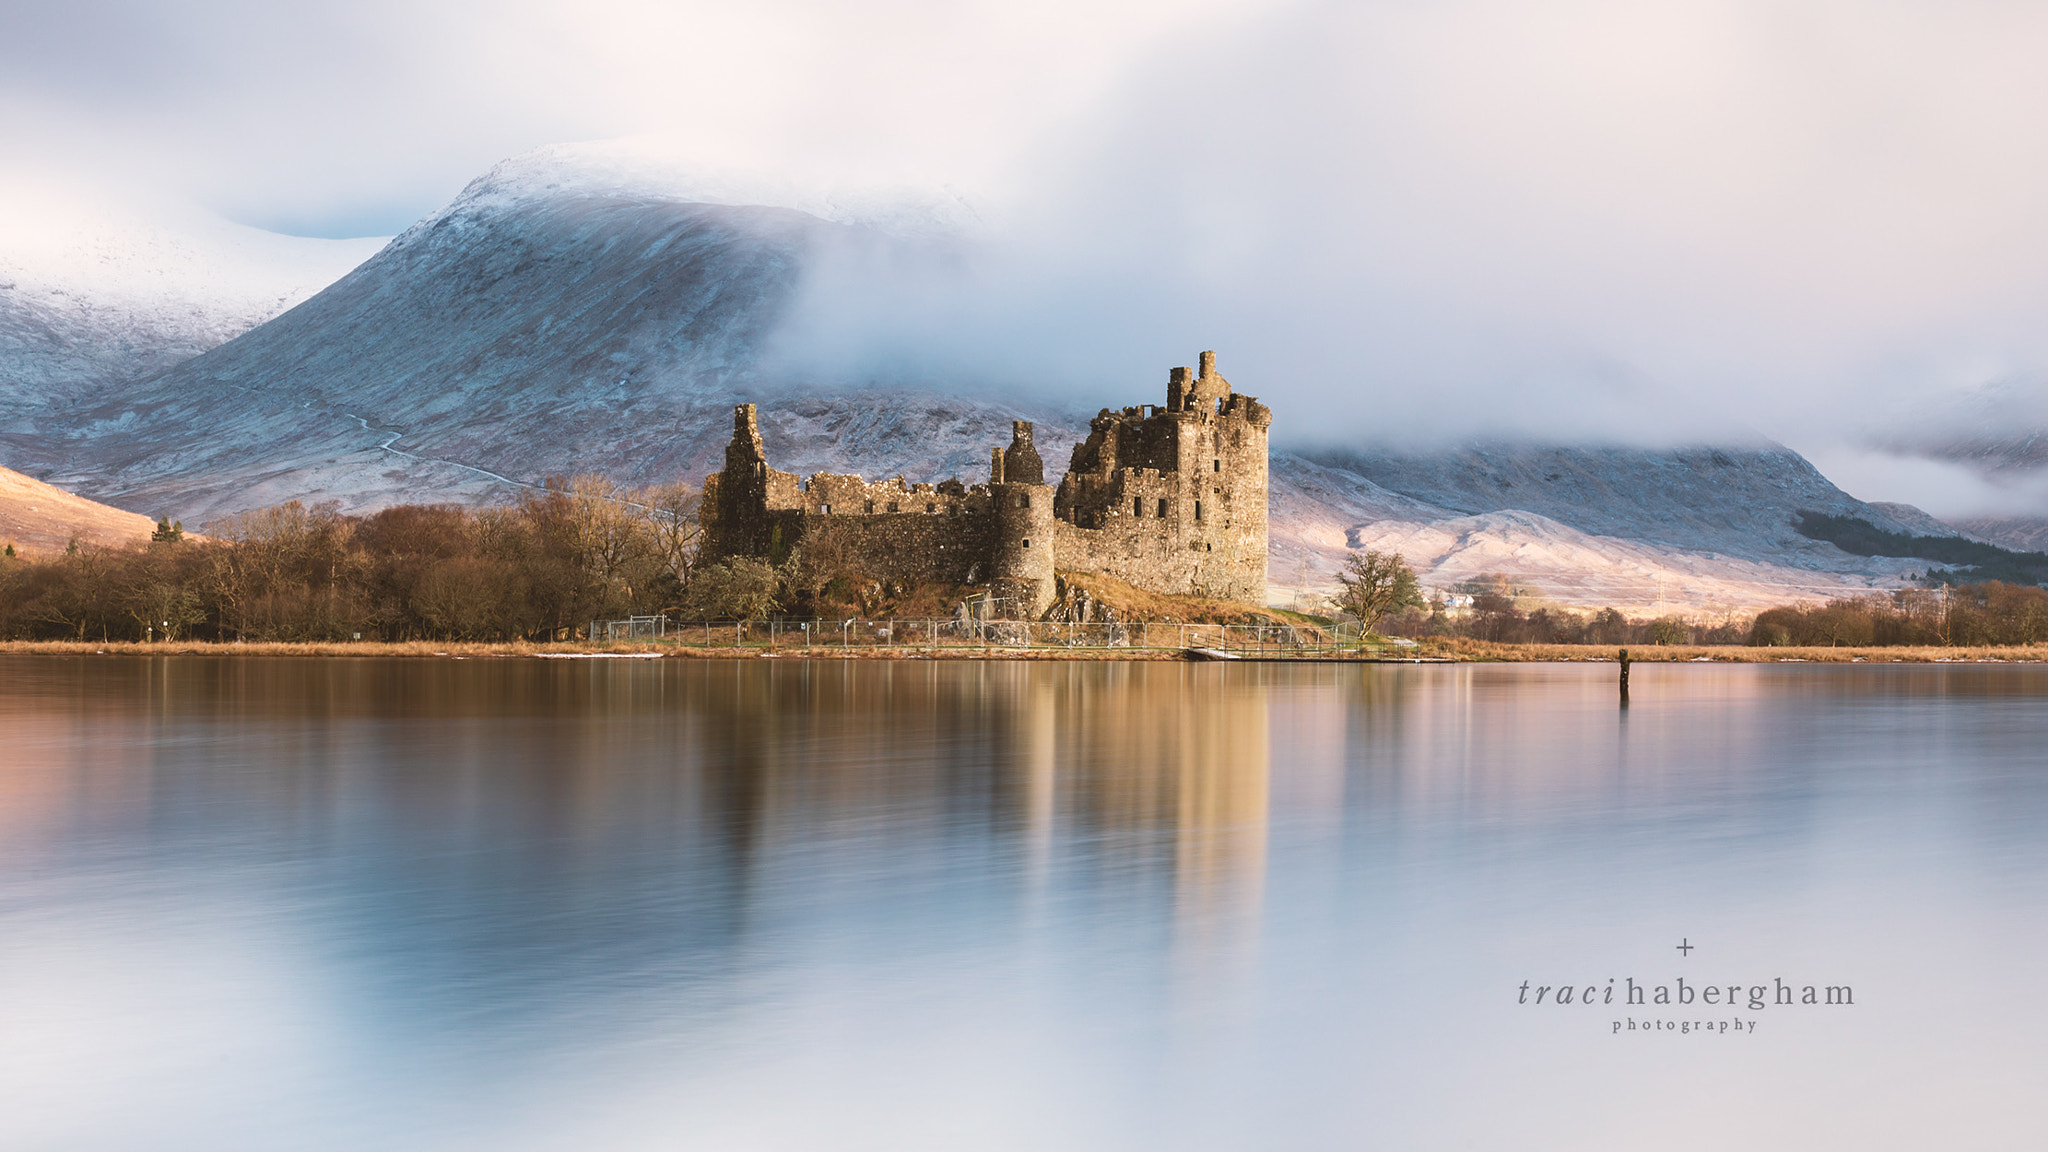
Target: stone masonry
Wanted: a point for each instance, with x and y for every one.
(1166, 498)
(1172, 499)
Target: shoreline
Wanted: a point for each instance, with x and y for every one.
(1430, 652)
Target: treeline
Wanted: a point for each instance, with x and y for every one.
(588, 549)
(573, 551)
(1990, 614)
(1495, 617)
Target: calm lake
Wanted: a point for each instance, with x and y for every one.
(514, 905)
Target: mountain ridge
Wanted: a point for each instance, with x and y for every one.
(526, 331)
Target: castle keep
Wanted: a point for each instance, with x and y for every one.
(1166, 498)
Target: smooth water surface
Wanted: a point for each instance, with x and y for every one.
(515, 905)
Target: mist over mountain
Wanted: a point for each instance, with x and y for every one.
(560, 317)
(532, 328)
(96, 292)
(1978, 454)
(1652, 225)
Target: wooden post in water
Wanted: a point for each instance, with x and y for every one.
(1624, 677)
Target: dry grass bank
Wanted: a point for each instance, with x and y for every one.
(1479, 650)
(273, 648)
(1458, 650)
(430, 649)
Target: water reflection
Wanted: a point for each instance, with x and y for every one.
(779, 903)
(503, 819)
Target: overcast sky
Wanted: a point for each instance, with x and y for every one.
(1577, 216)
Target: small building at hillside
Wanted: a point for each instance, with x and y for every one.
(1167, 498)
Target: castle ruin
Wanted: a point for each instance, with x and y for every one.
(1168, 499)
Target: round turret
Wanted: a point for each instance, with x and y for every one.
(1022, 576)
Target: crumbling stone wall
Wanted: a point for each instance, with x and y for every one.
(999, 534)
(904, 547)
(1173, 498)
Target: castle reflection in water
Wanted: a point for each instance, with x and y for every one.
(752, 784)
(993, 904)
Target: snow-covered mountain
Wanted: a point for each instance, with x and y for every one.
(542, 324)
(562, 316)
(1725, 498)
(1706, 529)
(2020, 533)
(95, 292)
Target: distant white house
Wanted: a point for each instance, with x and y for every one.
(1452, 601)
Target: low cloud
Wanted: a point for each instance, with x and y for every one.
(1945, 488)
(1588, 219)
(1607, 221)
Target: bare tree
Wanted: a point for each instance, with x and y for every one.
(1375, 584)
(154, 594)
(671, 510)
(80, 596)
(593, 548)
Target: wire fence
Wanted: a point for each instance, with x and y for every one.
(631, 628)
(1270, 639)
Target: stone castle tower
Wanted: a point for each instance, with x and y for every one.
(1021, 538)
(1173, 498)
(1168, 499)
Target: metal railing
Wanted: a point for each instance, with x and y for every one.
(1243, 640)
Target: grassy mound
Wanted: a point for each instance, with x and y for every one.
(1134, 604)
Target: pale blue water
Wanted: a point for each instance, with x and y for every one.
(520, 905)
